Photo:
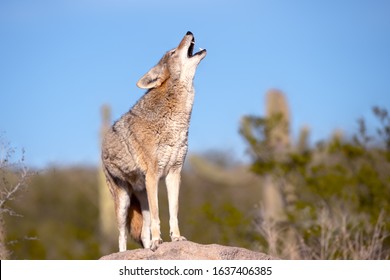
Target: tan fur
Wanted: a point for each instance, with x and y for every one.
(150, 142)
(135, 219)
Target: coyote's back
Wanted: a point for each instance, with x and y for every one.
(150, 142)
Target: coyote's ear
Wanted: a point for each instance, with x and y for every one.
(154, 78)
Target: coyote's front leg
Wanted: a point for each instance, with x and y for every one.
(173, 185)
(151, 181)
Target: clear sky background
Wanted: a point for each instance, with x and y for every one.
(61, 60)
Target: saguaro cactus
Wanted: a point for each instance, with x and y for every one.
(278, 116)
(277, 109)
(303, 139)
(107, 220)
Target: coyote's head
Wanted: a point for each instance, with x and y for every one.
(177, 64)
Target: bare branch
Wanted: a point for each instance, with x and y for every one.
(13, 179)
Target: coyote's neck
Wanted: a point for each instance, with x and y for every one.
(171, 101)
(183, 92)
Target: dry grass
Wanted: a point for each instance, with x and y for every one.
(337, 236)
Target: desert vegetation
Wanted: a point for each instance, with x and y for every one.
(293, 199)
(327, 201)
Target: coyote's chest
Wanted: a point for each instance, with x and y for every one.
(173, 138)
(160, 123)
(172, 143)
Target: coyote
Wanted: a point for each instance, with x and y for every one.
(150, 142)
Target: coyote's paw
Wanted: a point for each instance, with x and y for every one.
(178, 238)
(155, 244)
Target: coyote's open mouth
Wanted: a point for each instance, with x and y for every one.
(191, 47)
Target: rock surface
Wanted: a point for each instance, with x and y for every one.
(187, 250)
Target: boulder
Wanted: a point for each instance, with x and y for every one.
(187, 250)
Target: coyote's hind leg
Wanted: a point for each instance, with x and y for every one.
(122, 204)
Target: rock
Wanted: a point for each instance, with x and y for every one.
(187, 250)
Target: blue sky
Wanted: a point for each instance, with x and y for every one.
(61, 60)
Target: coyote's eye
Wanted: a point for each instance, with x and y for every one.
(173, 52)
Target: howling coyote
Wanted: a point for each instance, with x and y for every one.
(150, 142)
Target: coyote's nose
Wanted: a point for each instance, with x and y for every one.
(189, 33)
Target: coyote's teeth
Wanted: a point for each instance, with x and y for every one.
(201, 49)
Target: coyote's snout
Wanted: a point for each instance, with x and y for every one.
(150, 142)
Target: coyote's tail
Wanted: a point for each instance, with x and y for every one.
(134, 224)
